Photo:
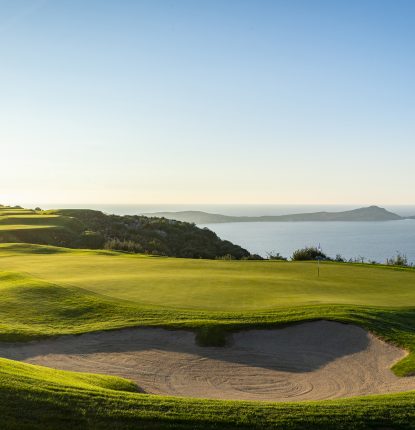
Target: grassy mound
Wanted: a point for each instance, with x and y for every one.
(47, 291)
(34, 397)
(43, 377)
(50, 291)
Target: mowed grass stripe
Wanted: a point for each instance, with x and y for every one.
(12, 227)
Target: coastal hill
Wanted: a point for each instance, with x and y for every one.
(371, 213)
(85, 228)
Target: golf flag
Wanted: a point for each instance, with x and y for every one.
(318, 260)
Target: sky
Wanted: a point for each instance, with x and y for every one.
(211, 101)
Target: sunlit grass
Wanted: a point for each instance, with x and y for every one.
(214, 285)
(49, 291)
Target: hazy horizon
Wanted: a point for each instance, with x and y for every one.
(223, 208)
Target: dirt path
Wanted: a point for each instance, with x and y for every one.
(310, 361)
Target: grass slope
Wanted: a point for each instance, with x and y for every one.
(25, 225)
(13, 227)
(51, 291)
(213, 285)
(35, 397)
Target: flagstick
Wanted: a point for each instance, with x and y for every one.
(318, 261)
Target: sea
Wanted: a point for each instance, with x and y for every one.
(371, 241)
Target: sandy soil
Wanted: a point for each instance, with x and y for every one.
(310, 361)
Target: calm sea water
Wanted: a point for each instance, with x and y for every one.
(372, 240)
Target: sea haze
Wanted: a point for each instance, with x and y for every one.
(223, 209)
(372, 240)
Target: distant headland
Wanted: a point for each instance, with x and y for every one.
(370, 213)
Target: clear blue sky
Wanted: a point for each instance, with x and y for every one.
(180, 101)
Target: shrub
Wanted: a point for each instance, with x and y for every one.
(339, 258)
(308, 253)
(211, 336)
(91, 239)
(398, 260)
(275, 256)
(225, 257)
(252, 257)
(157, 236)
(123, 245)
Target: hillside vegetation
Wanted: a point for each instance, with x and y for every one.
(78, 228)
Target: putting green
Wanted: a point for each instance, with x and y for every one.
(212, 285)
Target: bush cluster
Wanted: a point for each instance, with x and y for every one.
(312, 253)
(398, 260)
(275, 256)
(308, 253)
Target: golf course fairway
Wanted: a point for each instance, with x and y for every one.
(208, 285)
(48, 291)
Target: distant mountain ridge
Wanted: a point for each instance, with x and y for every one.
(370, 213)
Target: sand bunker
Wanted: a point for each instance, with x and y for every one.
(309, 361)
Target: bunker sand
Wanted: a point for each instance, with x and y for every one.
(308, 361)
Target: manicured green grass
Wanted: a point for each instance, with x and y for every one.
(33, 397)
(43, 376)
(12, 227)
(23, 225)
(5, 211)
(214, 285)
(8, 220)
(47, 291)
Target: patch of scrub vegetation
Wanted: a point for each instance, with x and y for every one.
(159, 236)
(211, 336)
